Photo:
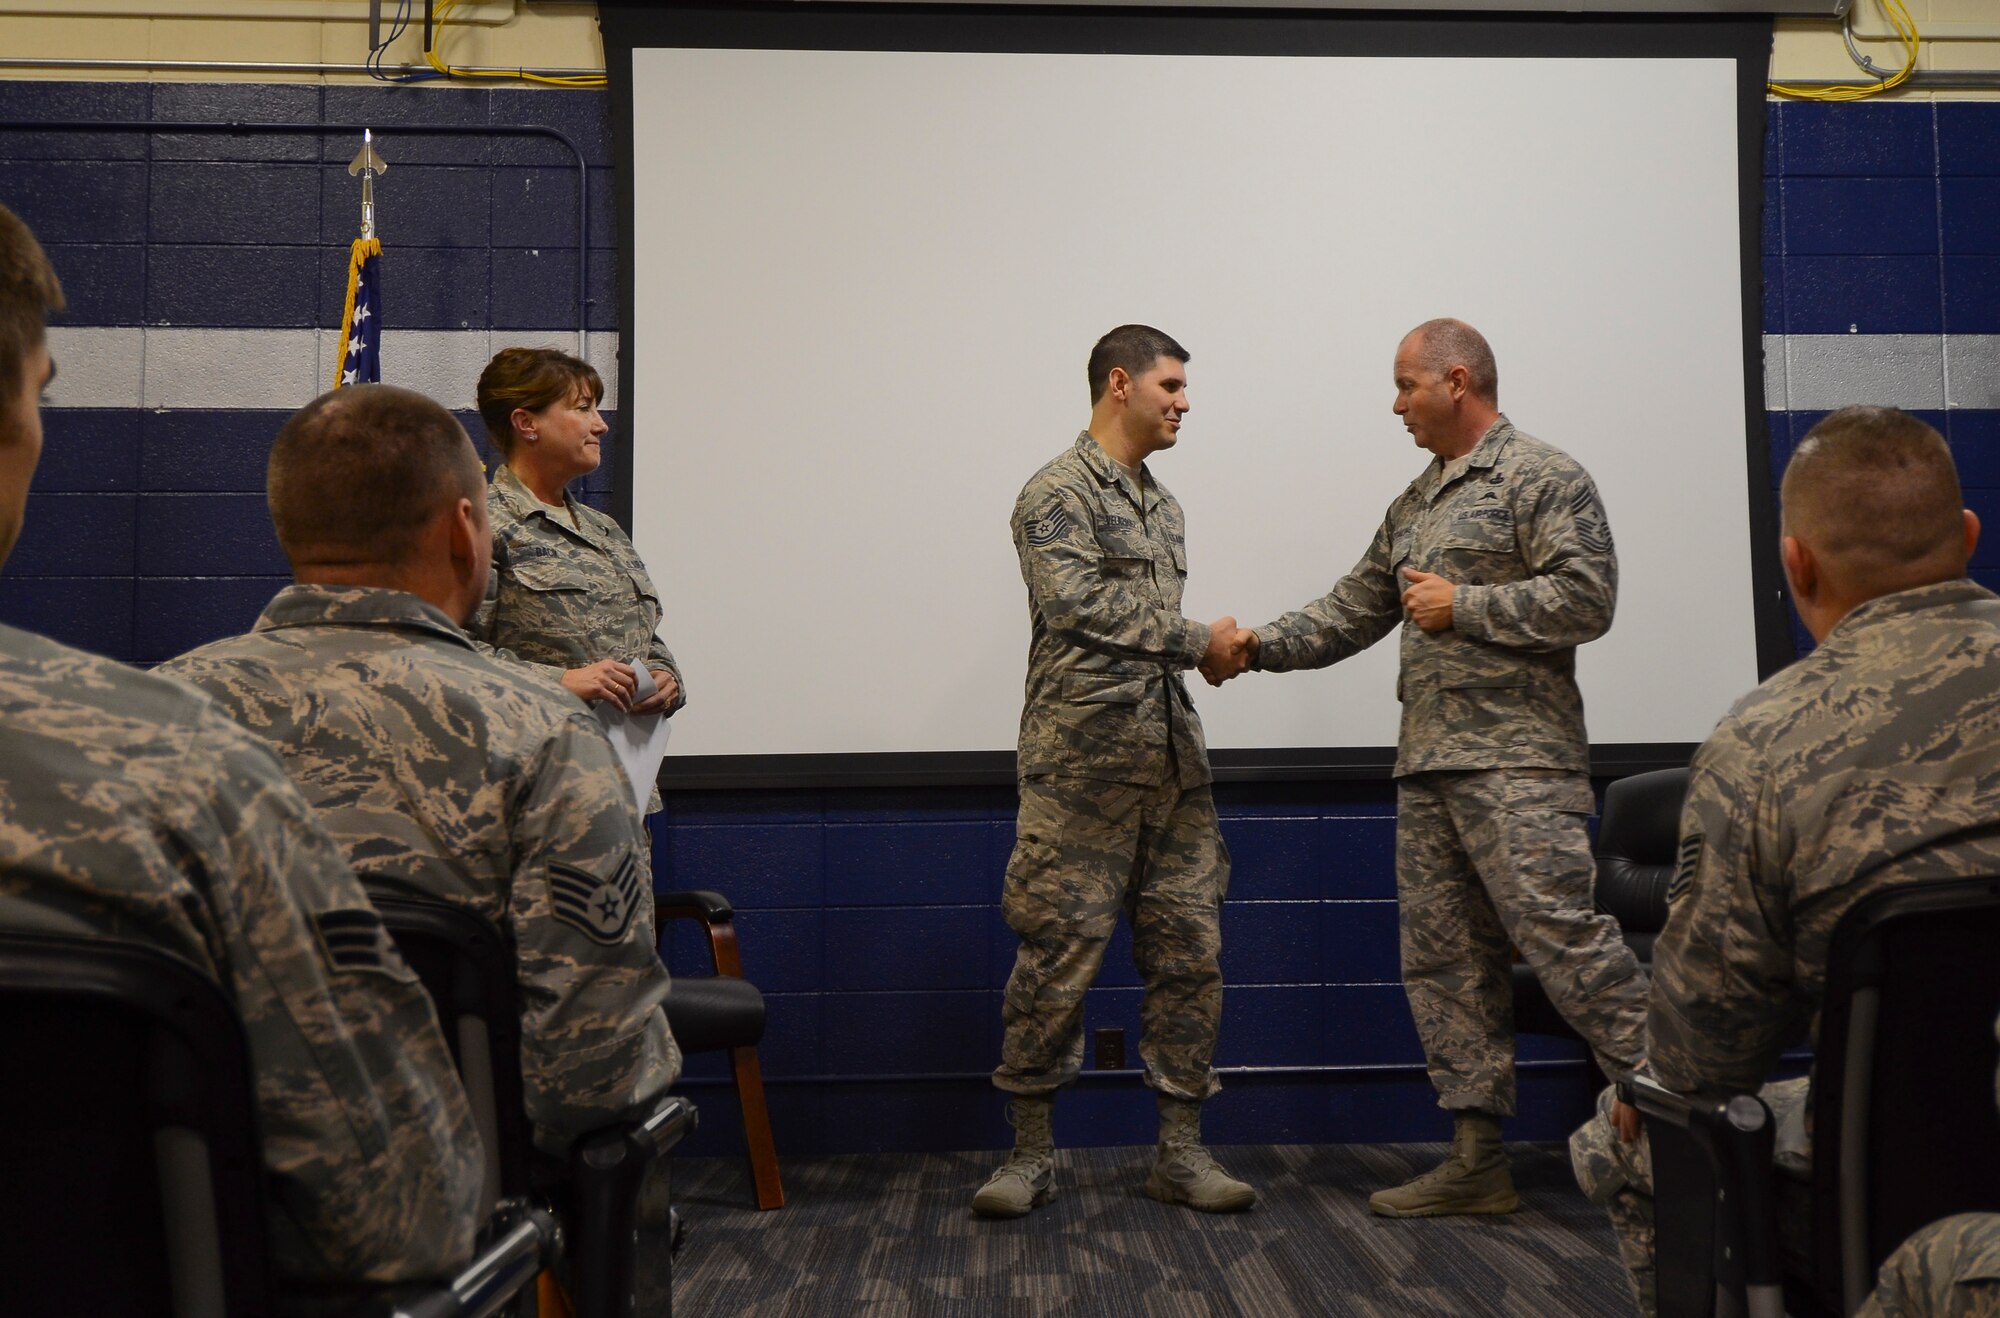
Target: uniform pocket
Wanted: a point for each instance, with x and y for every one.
(1479, 552)
(1484, 682)
(546, 572)
(1103, 689)
(1123, 569)
(1563, 793)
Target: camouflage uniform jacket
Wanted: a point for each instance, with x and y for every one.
(130, 807)
(445, 775)
(1522, 535)
(562, 596)
(1874, 760)
(1105, 563)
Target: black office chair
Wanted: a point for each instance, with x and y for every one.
(468, 968)
(1904, 1130)
(131, 1174)
(1637, 849)
(725, 1011)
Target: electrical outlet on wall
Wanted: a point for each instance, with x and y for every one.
(1110, 1050)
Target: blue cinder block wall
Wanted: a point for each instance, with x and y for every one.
(205, 275)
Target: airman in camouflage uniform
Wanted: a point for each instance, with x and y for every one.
(445, 775)
(1950, 1269)
(1862, 766)
(1116, 807)
(1500, 557)
(568, 595)
(442, 773)
(131, 808)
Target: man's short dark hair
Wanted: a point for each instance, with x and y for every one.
(356, 474)
(1445, 343)
(29, 291)
(1132, 349)
(1874, 493)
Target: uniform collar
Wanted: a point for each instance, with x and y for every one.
(522, 503)
(1884, 608)
(523, 500)
(1481, 456)
(1108, 472)
(357, 606)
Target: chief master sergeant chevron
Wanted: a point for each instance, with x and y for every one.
(1116, 808)
(1498, 560)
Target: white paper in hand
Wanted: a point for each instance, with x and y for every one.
(641, 741)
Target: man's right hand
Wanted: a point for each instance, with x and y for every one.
(1230, 651)
(607, 679)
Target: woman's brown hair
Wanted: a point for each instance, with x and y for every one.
(532, 378)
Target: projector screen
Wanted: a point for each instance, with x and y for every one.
(864, 284)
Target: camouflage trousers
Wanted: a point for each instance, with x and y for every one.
(1950, 1269)
(1485, 859)
(1619, 1178)
(1083, 852)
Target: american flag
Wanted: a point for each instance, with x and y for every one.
(361, 322)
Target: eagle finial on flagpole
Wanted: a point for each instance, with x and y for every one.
(368, 163)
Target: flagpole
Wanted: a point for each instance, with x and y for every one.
(361, 313)
(367, 163)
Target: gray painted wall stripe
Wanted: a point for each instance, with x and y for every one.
(280, 369)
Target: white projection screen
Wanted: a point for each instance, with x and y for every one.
(864, 284)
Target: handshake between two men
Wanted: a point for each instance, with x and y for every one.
(1232, 649)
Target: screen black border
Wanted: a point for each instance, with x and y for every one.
(1135, 30)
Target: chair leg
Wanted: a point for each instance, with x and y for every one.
(757, 1128)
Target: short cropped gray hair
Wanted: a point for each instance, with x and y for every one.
(1445, 343)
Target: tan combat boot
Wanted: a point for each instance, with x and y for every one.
(1474, 1179)
(1183, 1171)
(1027, 1180)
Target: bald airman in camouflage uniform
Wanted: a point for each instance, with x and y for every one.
(131, 808)
(446, 775)
(1862, 766)
(1116, 808)
(1498, 561)
(1950, 1269)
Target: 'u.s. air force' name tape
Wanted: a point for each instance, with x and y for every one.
(601, 908)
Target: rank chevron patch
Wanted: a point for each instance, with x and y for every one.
(601, 908)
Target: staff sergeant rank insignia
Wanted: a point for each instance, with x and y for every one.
(601, 908)
(1050, 527)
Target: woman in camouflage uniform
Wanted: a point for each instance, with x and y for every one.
(568, 593)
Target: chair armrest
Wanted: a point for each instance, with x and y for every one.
(497, 1274)
(1736, 1132)
(672, 1121)
(716, 915)
(607, 1168)
(707, 907)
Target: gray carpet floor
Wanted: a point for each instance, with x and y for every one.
(893, 1236)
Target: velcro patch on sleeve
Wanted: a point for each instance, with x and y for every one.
(356, 940)
(601, 909)
(1047, 526)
